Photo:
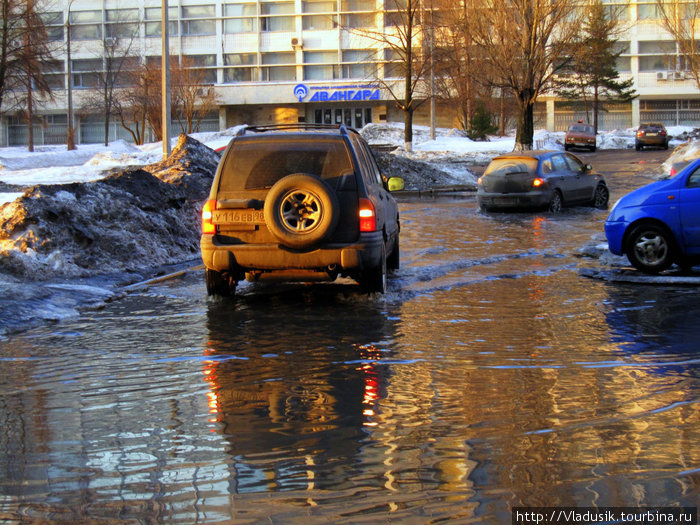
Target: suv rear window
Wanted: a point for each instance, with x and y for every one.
(255, 163)
(511, 166)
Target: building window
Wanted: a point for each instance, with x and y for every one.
(616, 10)
(623, 63)
(86, 25)
(53, 22)
(121, 70)
(657, 56)
(198, 20)
(358, 13)
(86, 72)
(319, 15)
(393, 64)
(240, 67)
(121, 23)
(278, 67)
(53, 74)
(155, 14)
(395, 13)
(325, 65)
(359, 63)
(650, 11)
(274, 18)
(202, 68)
(240, 18)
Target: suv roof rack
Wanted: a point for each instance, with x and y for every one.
(300, 126)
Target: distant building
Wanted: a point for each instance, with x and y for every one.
(277, 61)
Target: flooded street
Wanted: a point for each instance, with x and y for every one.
(491, 375)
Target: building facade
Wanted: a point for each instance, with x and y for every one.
(283, 61)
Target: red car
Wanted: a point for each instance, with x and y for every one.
(580, 136)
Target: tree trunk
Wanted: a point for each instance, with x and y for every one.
(408, 128)
(503, 114)
(30, 113)
(107, 112)
(526, 123)
(595, 109)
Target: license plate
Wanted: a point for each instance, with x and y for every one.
(238, 217)
(652, 134)
(505, 201)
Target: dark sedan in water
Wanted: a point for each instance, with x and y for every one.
(540, 180)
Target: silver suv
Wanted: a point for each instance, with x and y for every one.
(299, 202)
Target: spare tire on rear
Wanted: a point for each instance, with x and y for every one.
(301, 210)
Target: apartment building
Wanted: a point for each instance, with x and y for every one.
(280, 61)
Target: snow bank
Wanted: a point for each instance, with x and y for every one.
(140, 217)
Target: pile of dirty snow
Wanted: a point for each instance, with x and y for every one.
(427, 173)
(136, 218)
(686, 152)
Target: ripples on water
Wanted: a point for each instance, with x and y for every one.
(491, 375)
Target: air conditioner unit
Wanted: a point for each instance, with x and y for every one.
(110, 41)
(661, 75)
(296, 42)
(678, 75)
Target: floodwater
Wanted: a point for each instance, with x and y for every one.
(492, 375)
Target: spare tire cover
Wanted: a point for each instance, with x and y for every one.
(301, 210)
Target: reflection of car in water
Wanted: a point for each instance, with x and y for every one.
(580, 136)
(298, 403)
(540, 180)
(659, 224)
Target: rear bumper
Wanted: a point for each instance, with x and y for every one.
(365, 253)
(514, 200)
(652, 141)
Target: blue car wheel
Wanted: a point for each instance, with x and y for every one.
(650, 248)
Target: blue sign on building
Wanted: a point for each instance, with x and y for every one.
(342, 93)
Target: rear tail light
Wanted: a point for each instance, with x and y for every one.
(673, 172)
(207, 214)
(368, 217)
(640, 133)
(663, 133)
(537, 182)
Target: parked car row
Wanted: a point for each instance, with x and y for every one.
(651, 134)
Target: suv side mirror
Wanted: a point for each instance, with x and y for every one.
(588, 167)
(394, 184)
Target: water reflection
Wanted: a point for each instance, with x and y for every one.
(290, 373)
(491, 375)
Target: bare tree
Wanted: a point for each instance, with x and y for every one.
(25, 54)
(402, 39)
(138, 107)
(192, 99)
(524, 41)
(462, 76)
(117, 60)
(682, 20)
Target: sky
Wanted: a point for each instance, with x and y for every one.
(56, 165)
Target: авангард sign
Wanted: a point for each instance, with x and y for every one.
(341, 93)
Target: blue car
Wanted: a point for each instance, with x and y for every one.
(659, 224)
